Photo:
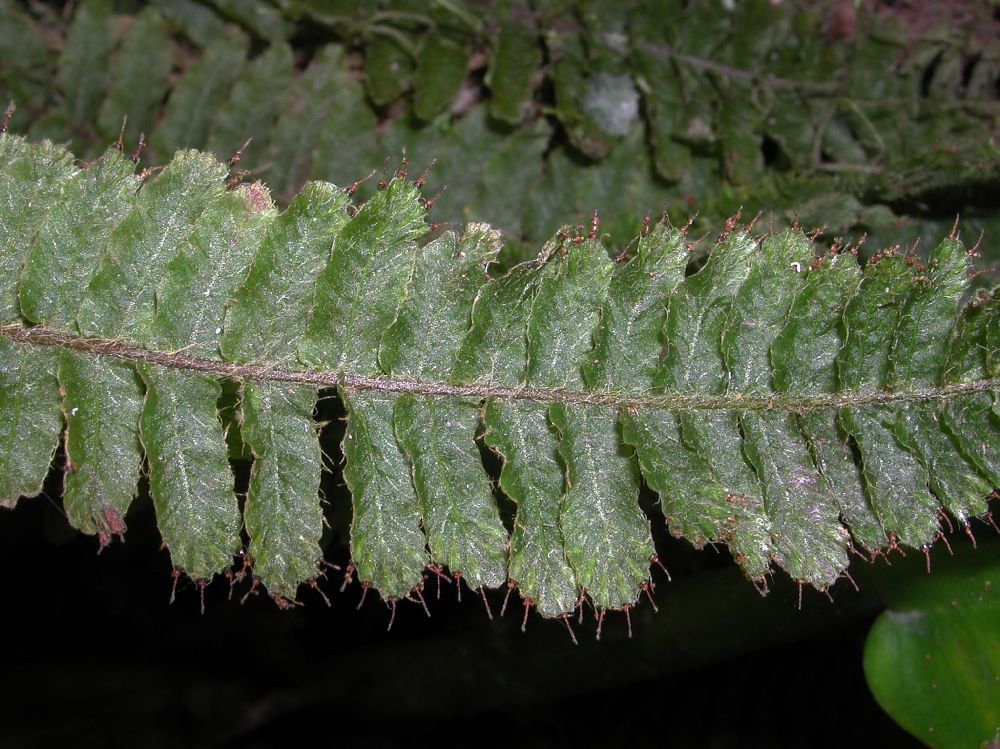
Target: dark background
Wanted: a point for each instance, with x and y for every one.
(97, 656)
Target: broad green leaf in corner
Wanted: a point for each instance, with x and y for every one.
(932, 660)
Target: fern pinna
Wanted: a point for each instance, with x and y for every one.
(788, 405)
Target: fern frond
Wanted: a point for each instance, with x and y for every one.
(785, 404)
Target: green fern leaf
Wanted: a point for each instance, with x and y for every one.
(188, 115)
(264, 321)
(139, 79)
(786, 405)
(463, 528)
(85, 60)
(252, 106)
(30, 179)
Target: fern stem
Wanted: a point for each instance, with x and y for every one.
(41, 335)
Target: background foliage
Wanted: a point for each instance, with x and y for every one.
(856, 119)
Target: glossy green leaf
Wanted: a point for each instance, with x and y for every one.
(102, 447)
(189, 475)
(600, 509)
(495, 350)
(425, 337)
(693, 361)
(571, 291)
(919, 352)
(191, 298)
(372, 262)
(932, 659)
(460, 516)
(106, 397)
(265, 320)
(695, 504)
(31, 177)
(607, 536)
